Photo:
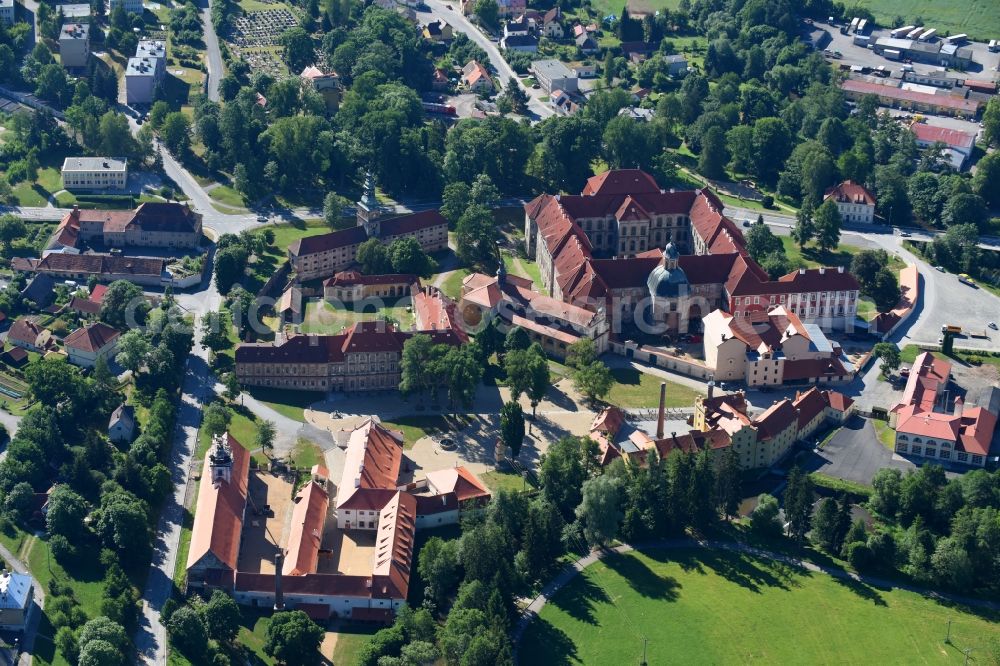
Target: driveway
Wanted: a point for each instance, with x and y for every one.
(854, 454)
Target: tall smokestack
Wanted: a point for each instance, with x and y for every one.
(711, 389)
(279, 596)
(663, 406)
(959, 405)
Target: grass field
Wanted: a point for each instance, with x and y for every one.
(812, 257)
(227, 196)
(415, 427)
(979, 18)
(290, 404)
(638, 389)
(724, 608)
(452, 285)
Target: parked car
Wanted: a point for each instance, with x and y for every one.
(992, 324)
(939, 268)
(746, 223)
(904, 234)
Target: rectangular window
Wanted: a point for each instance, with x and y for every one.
(977, 460)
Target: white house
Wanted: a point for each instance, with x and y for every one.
(15, 600)
(855, 203)
(94, 173)
(121, 425)
(88, 343)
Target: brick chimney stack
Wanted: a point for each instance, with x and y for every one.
(663, 406)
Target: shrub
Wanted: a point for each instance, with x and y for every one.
(767, 201)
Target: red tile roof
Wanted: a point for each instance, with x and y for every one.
(621, 181)
(850, 192)
(775, 420)
(94, 264)
(91, 338)
(24, 330)
(325, 242)
(950, 137)
(218, 516)
(406, 224)
(944, 101)
(460, 481)
(306, 532)
(372, 461)
(351, 278)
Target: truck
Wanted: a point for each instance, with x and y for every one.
(862, 25)
(862, 40)
(993, 47)
(913, 33)
(892, 54)
(951, 328)
(958, 39)
(854, 24)
(925, 36)
(899, 33)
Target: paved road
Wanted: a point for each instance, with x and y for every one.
(439, 10)
(150, 638)
(855, 454)
(568, 574)
(213, 56)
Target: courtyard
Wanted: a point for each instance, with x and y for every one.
(264, 528)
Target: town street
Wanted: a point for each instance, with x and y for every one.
(439, 10)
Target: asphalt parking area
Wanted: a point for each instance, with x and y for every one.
(854, 454)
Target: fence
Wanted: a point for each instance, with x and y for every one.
(662, 359)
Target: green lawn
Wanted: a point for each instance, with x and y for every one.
(290, 404)
(350, 640)
(886, 435)
(415, 427)
(633, 388)
(866, 308)
(227, 195)
(812, 257)
(322, 318)
(979, 18)
(306, 453)
(452, 285)
(525, 268)
(723, 608)
(498, 480)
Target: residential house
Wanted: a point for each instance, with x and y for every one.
(523, 43)
(28, 334)
(39, 291)
(16, 598)
(677, 65)
(637, 52)
(511, 7)
(565, 104)
(637, 113)
(771, 349)
(365, 357)
(440, 80)
(352, 286)
(121, 425)
(519, 27)
(15, 357)
(476, 78)
(855, 203)
(7, 12)
(438, 31)
(94, 173)
(74, 44)
(90, 342)
(219, 514)
(958, 145)
(552, 26)
(928, 427)
(585, 70)
(586, 43)
(554, 75)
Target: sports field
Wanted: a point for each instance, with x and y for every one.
(980, 19)
(704, 607)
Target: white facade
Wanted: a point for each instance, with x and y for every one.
(140, 80)
(856, 213)
(554, 75)
(88, 359)
(94, 173)
(74, 45)
(15, 600)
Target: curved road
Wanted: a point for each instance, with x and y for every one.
(568, 574)
(439, 10)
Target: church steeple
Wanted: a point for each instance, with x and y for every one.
(368, 208)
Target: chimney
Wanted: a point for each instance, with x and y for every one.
(663, 405)
(959, 405)
(802, 271)
(822, 270)
(840, 269)
(711, 389)
(279, 597)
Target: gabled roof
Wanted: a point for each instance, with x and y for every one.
(91, 338)
(372, 461)
(850, 192)
(775, 419)
(218, 517)
(394, 541)
(621, 181)
(950, 137)
(351, 278)
(306, 532)
(24, 330)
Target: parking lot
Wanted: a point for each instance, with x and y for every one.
(854, 453)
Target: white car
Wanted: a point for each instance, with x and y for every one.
(992, 324)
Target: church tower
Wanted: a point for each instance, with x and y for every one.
(368, 209)
(221, 459)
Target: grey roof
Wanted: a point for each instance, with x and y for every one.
(73, 10)
(141, 67)
(39, 290)
(552, 69)
(7, 3)
(93, 164)
(124, 412)
(150, 48)
(665, 283)
(818, 338)
(75, 31)
(675, 58)
(15, 590)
